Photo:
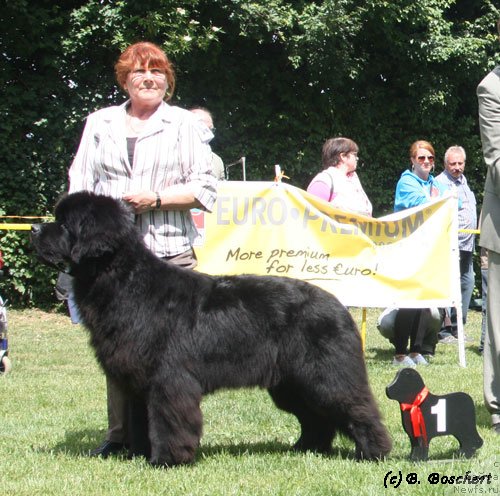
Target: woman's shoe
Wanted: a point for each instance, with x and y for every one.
(418, 359)
(404, 361)
(108, 448)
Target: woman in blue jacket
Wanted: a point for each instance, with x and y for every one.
(415, 187)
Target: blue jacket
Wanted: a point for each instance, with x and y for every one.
(412, 191)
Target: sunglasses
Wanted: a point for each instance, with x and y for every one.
(422, 158)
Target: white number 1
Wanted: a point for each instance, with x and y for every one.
(439, 409)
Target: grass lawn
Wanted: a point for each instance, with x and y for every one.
(53, 411)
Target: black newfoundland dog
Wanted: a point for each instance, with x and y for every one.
(169, 335)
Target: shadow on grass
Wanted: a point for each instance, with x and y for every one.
(238, 450)
(475, 349)
(380, 355)
(483, 417)
(436, 455)
(264, 448)
(79, 443)
(385, 355)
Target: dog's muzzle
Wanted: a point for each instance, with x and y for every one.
(35, 229)
(44, 250)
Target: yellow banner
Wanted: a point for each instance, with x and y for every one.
(409, 259)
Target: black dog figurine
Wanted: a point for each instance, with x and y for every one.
(425, 415)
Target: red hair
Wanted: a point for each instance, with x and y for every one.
(420, 144)
(145, 54)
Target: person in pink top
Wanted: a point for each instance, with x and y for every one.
(338, 182)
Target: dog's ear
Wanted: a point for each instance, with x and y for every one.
(99, 226)
(93, 238)
(90, 248)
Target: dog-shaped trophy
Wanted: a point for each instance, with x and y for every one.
(425, 415)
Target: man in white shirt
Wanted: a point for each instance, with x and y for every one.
(217, 164)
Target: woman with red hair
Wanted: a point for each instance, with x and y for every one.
(415, 187)
(156, 157)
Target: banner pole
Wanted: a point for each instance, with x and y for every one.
(363, 328)
(455, 258)
(460, 334)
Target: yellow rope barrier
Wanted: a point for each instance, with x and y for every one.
(21, 226)
(15, 227)
(27, 227)
(26, 217)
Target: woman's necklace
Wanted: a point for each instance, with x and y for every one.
(130, 124)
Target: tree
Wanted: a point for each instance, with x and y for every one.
(279, 76)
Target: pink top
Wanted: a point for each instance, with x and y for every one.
(342, 191)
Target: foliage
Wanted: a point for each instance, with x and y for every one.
(280, 76)
(33, 282)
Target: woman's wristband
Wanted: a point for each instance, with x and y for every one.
(158, 200)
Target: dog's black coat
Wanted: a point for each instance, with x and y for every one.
(460, 417)
(169, 335)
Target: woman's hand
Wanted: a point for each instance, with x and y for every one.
(142, 202)
(434, 193)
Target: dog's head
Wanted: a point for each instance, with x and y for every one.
(87, 226)
(405, 386)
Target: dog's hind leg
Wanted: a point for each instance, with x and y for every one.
(175, 422)
(322, 411)
(317, 432)
(364, 426)
(316, 435)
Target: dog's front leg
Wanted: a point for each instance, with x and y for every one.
(138, 428)
(175, 422)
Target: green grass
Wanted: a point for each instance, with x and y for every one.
(53, 412)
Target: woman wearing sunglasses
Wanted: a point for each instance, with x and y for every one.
(418, 186)
(416, 325)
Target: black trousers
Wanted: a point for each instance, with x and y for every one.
(410, 325)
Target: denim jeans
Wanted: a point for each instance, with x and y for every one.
(74, 313)
(466, 288)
